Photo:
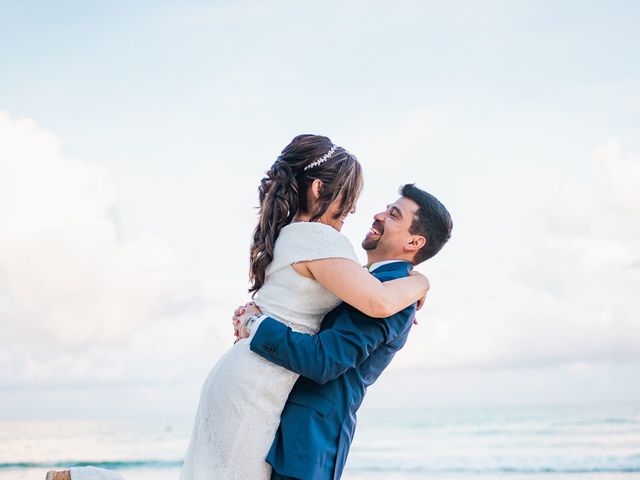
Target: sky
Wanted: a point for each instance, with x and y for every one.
(133, 136)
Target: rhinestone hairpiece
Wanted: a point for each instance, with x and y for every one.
(322, 159)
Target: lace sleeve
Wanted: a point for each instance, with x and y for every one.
(305, 241)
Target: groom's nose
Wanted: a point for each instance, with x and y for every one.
(379, 217)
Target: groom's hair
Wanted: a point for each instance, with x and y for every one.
(432, 221)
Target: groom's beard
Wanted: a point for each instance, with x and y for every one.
(371, 241)
(368, 244)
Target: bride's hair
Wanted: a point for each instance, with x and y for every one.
(283, 193)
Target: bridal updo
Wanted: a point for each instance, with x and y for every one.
(283, 192)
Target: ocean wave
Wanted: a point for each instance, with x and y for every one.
(599, 421)
(503, 470)
(111, 465)
(503, 465)
(629, 464)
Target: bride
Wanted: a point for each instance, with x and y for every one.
(301, 267)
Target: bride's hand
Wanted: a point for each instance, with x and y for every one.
(427, 285)
(420, 303)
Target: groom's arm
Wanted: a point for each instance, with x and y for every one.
(331, 352)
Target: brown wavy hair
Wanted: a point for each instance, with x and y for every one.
(283, 193)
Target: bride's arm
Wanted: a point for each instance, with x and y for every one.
(356, 286)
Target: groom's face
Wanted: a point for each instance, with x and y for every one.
(390, 229)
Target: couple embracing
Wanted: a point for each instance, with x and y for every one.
(282, 402)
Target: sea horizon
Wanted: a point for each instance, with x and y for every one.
(555, 442)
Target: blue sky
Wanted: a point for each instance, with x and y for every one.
(129, 192)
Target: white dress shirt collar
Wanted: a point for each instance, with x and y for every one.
(375, 265)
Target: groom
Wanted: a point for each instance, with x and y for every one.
(350, 351)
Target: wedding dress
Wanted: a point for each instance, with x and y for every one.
(243, 396)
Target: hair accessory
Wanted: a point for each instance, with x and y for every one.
(322, 159)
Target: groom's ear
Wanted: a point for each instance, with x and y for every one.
(415, 243)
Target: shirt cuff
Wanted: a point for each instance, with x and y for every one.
(254, 327)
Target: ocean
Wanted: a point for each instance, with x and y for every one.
(578, 442)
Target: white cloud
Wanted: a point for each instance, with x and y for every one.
(619, 175)
(65, 276)
(590, 270)
(567, 295)
(81, 306)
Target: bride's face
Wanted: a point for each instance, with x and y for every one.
(328, 217)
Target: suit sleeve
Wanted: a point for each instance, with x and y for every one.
(331, 352)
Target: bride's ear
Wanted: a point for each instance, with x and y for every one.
(316, 187)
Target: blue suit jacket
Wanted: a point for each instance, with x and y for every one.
(337, 365)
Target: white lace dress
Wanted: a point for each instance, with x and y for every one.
(243, 396)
